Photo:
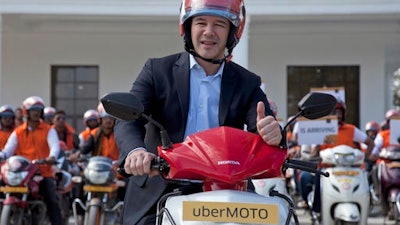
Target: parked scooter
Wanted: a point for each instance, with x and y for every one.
(22, 204)
(222, 160)
(102, 206)
(345, 194)
(389, 177)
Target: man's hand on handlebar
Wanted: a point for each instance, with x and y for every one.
(138, 163)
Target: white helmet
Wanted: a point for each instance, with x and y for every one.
(91, 114)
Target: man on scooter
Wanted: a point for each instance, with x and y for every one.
(348, 134)
(189, 92)
(35, 139)
(382, 140)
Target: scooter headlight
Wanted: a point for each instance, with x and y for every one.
(99, 170)
(15, 178)
(345, 159)
(97, 177)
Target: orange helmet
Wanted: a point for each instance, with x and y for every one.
(91, 114)
(372, 125)
(32, 102)
(233, 10)
(7, 110)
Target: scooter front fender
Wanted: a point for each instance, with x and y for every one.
(347, 212)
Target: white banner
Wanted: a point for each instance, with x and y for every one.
(315, 131)
(394, 130)
(337, 92)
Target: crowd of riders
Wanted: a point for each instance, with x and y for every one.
(370, 139)
(37, 131)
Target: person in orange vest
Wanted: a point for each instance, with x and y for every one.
(349, 135)
(65, 131)
(49, 114)
(7, 123)
(91, 120)
(101, 140)
(35, 139)
(382, 140)
(383, 137)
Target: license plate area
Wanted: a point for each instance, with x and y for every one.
(9, 189)
(96, 188)
(228, 212)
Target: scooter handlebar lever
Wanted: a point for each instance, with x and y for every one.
(311, 167)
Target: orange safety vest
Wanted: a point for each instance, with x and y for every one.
(345, 137)
(85, 134)
(386, 137)
(105, 144)
(386, 142)
(69, 139)
(33, 144)
(4, 137)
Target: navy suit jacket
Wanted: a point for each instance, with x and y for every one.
(163, 88)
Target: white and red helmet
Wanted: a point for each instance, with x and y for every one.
(7, 110)
(49, 111)
(391, 113)
(91, 114)
(32, 102)
(233, 10)
(102, 111)
(372, 125)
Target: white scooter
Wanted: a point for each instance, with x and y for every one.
(345, 193)
(221, 160)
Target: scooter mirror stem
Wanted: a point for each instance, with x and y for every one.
(165, 140)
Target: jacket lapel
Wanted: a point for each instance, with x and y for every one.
(182, 80)
(228, 84)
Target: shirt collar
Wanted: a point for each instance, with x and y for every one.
(195, 65)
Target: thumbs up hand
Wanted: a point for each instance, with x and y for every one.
(268, 128)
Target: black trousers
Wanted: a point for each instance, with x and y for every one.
(47, 189)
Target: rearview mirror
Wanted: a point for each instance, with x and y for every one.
(122, 105)
(315, 105)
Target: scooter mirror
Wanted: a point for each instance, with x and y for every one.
(126, 106)
(122, 105)
(315, 105)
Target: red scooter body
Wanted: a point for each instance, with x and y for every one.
(21, 188)
(225, 156)
(220, 158)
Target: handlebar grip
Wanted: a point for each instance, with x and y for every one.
(311, 165)
(156, 164)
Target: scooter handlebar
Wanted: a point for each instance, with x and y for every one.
(157, 164)
(307, 166)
